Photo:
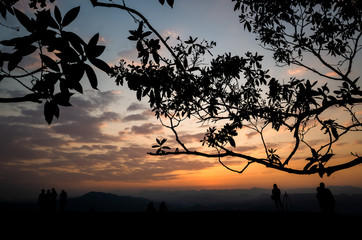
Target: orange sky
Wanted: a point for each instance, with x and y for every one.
(101, 143)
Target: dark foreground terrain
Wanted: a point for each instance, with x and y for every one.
(181, 225)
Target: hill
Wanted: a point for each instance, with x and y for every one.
(255, 199)
(107, 202)
(92, 201)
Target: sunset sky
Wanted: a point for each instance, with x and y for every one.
(101, 142)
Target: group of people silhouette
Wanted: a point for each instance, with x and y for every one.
(47, 200)
(324, 196)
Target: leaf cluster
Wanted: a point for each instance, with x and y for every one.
(234, 92)
(299, 26)
(145, 46)
(317, 162)
(160, 148)
(64, 57)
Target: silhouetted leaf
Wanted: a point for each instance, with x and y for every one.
(139, 94)
(334, 132)
(101, 65)
(50, 63)
(70, 16)
(93, 41)
(133, 38)
(76, 72)
(51, 109)
(170, 2)
(321, 170)
(75, 40)
(24, 20)
(14, 61)
(48, 112)
(156, 57)
(326, 157)
(146, 34)
(62, 99)
(314, 152)
(313, 168)
(58, 15)
(77, 87)
(163, 141)
(306, 167)
(247, 26)
(232, 142)
(91, 76)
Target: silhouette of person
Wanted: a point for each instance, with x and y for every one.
(325, 199)
(150, 208)
(42, 201)
(48, 200)
(53, 200)
(163, 208)
(63, 200)
(276, 193)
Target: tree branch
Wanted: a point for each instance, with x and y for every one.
(265, 162)
(144, 19)
(27, 98)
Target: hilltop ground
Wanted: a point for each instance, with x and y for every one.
(235, 224)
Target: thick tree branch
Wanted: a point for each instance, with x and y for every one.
(26, 98)
(265, 162)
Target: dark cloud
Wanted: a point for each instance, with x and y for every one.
(146, 129)
(243, 149)
(135, 117)
(190, 138)
(75, 149)
(145, 115)
(136, 106)
(87, 128)
(251, 134)
(95, 147)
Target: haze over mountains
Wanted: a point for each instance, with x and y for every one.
(348, 201)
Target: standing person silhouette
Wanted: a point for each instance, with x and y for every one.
(325, 199)
(63, 200)
(42, 201)
(151, 208)
(53, 200)
(276, 193)
(163, 208)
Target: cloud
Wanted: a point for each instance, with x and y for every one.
(251, 134)
(95, 147)
(138, 117)
(135, 107)
(129, 55)
(296, 71)
(243, 149)
(190, 138)
(146, 129)
(332, 74)
(172, 34)
(135, 117)
(75, 149)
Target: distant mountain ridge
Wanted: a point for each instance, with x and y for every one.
(348, 201)
(107, 202)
